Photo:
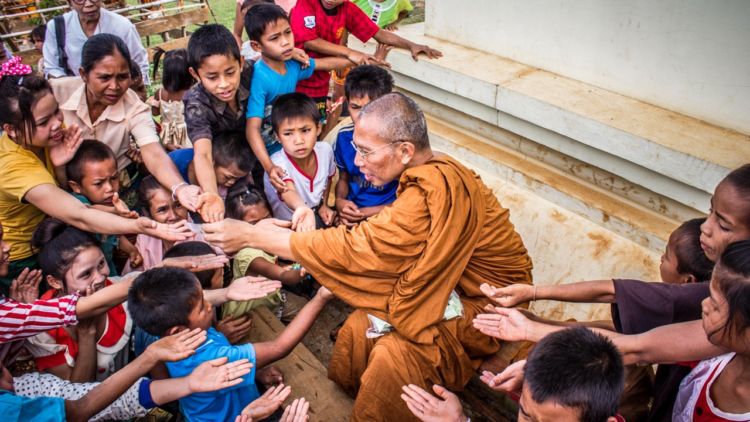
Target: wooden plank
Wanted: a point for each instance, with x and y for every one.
(169, 45)
(304, 372)
(165, 23)
(29, 57)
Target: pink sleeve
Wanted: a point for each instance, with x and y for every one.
(20, 320)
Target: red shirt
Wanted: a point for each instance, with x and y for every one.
(309, 21)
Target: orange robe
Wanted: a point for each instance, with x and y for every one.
(445, 231)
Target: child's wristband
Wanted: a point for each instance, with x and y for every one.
(144, 394)
(174, 189)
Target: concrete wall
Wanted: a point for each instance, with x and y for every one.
(692, 57)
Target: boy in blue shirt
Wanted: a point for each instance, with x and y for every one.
(268, 28)
(164, 301)
(356, 198)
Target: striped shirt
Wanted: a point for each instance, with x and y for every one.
(19, 320)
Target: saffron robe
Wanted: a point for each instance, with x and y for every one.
(445, 231)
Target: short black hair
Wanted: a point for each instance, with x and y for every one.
(194, 248)
(39, 32)
(162, 298)
(732, 277)
(230, 148)
(369, 80)
(211, 40)
(292, 106)
(90, 151)
(739, 178)
(260, 16)
(240, 195)
(691, 259)
(148, 184)
(577, 368)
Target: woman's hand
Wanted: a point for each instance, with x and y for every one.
(429, 408)
(508, 296)
(61, 153)
(211, 207)
(235, 329)
(170, 232)
(303, 219)
(265, 405)
(249, 288)
(25, 287)
(229, 235)
(177, 346)
(217, 374)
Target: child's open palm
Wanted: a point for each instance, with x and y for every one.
(121, 208)
(265, 405)
(429, 408)
(249, 288)
(217, 374)
(303, 219)
(177, 346)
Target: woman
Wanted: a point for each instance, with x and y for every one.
(34, 143)
(102, 105)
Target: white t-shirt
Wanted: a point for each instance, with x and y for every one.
(109, 23)
(309, 187)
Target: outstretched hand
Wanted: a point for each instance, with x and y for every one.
(171, 232)
(196, 263)
(509, 381)
(265, 405)
(228, 234)
(211, 207)
(503, 323)
(296, 412)
(121, 208)
(417, 49)
(177, 346)
(508, 296)
(217, 374)
(249, 288)
(303, 219)
(429, 408)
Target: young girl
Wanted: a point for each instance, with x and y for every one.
(95, 348)
(33, 144)
(248, 204)
(157, 203)
(167, 101)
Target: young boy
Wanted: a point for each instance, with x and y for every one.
(166, 300)
(268, 28)
(232, 159)
(217, 103)
(307, 165)
(571, 375)
(319, 27)
(356, 198)
(93, 177)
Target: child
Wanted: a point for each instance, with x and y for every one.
(167, 101)
(217, 103)
(137, 83)
(268, 28)
(74, 263)
(307, 165)
(37, 37)
(571, 375)
(240, 12)
(248, 204)
(356, 198)
(233, 161)
(93, 177)
(158, 300)
(385, 13)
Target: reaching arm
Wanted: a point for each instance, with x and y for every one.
(330, 49)
(270, 235)
(658, 345)
(252, 132)
(270, 351)
(328, 64)
(204, 166)
(599, 291)
(262, 267)
(388, 37)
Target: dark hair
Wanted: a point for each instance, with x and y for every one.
(194, 248)
(90, 151)
(292, 106)
(260, 16)
(399, 120)
(211, 40)
(732, 276)
(577, 368)
(162, 298)
(369, 80)
(100, 46)
(175, 75)
(247, 4)
(691, 259)
(230, 148)
(148, 184)
(39, 32)
(240, 195)
(739, 178)
(18, 95)
(59, 244)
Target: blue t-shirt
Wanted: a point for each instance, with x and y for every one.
(108, 245)
(40, 409)
(182, 158)
(361, 192)
(266, 85)
(222, 405)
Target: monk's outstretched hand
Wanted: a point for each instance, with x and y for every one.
(429, 408)
(229, 235)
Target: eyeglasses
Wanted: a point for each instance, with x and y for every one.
(81, 2)
(366, 154)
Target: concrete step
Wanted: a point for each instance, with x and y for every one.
(675, 159)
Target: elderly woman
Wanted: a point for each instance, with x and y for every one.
(102, 105)
(445, 233)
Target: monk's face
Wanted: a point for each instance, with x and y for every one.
(380, 160)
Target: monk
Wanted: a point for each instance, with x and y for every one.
(445, 232)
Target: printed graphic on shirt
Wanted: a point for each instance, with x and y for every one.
(310, 22)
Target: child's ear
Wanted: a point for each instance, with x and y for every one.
(10, 130)
(194, 74)
(54, 282)
(689, 279)
(74, 186)
(255, 45)
(83, 75)
(318, 129)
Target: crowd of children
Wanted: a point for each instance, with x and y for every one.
(112, 295)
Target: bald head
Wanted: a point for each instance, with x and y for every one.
(399, 119)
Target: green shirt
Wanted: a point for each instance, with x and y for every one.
(383, 13)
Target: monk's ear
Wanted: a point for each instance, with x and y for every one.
(406, 152)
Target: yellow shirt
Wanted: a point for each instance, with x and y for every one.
(128, 117)
(20, 170)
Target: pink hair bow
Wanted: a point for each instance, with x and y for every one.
(14, 67)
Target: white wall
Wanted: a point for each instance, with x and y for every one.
(692, 56)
